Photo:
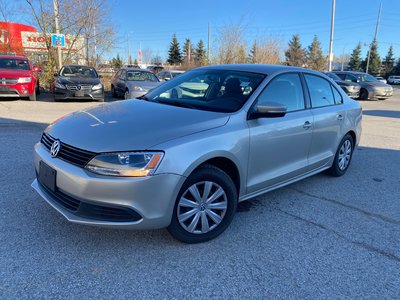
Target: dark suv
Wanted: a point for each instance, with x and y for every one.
(371, 88)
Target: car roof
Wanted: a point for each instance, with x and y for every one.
(14, 56)
(72, 65)
(258, 68)
(135, 69)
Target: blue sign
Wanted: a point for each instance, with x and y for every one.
(57, 40)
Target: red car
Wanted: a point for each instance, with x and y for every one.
(18, 77)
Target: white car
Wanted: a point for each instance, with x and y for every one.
(394, 80)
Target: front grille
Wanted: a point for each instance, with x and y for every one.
(111, 213)
(68, 153)
(79, 87)
(8, 80)
(9, 92)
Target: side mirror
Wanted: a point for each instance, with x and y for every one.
(55, 74)
(268, 110)
(100, 76)
(37, 69)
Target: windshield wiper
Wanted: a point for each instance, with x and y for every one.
(176, 103)
(143, 97)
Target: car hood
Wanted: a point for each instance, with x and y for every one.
(147, 85)
(78, 80)
(10, 73)
(131, 125)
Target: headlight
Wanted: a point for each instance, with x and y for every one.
(24, 80)
(97, 86)
(59, 85)
(125, 164)
(136, 88)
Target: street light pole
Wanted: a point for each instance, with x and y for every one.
(331, 39)
(55, 3)
(375, 36)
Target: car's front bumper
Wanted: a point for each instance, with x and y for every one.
(17, 90)
(379, 94)
(133, 95)
(151, 197)
(65, 94)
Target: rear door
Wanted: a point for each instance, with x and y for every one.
(329, 114)
(279, 146)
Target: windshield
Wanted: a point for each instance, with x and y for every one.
(333, 76)
(12, 63)
(141, 76)
(212, 90)
(78, 71)
(366, 77)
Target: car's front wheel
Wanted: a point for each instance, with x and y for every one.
(33, 96)
(205, 206)
(343, 157)
(126, 95)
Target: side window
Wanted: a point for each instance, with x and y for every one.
(284, 89)
(351, 78)
(341, 76)
(123, 75)
(337, 96)
(118, 74)
(161, 75)
(320, 91)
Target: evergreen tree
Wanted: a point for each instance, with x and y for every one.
(355, 59)
(116, 62)
(315, 58)
(295, 55)
(374, 67)
(200, 54)
(388, 63)
(188, 45)
(174, 53)
(253, 53)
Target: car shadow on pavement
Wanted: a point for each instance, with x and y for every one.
(383, 113)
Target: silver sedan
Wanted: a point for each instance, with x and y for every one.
(196, 146)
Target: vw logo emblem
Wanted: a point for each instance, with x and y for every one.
(55, 148)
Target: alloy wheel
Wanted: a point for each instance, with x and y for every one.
(202, 207)
(344, 155)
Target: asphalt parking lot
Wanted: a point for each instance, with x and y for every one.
(320, 238)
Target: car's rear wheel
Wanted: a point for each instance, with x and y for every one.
(343, 157)
(205, 206)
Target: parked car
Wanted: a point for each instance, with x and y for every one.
(168, 74)
(133, 83)
(381, 79)
(78, 82)
(155, 69)
(18, 77)
(394, 79)
(371, 88)
(184, 161)
(352, 89)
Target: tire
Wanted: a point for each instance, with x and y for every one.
(33, 96)
(209, 222)
(343, 157)
(113, 92)
(363, 94)
(126, 95)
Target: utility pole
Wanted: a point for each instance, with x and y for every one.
(331, 39)
(55, 3)
(129, 48)
(375, 36)
(208, 42)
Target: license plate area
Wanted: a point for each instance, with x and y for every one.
(3, 88)
(47, 176)
(79, 94)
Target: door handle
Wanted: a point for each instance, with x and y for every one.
(339, 117)
(306, 125)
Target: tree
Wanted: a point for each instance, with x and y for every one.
(388, 63)
(174, 53)
(188, 51)
(156, 60)
(355, 59)
(315, 58)
(147, 54)
(231, 45)
(374, 67)
(265, 51)
(200, 54)
(116, 62)
(295, 55)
